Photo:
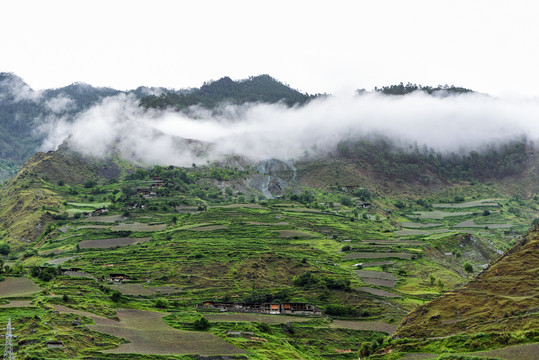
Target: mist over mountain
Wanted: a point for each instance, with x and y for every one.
(257, 118)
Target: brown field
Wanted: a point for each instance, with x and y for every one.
(377, 263)
(378, 255)
(136, 226)
(92, 227)
(268, 319)
(437, 214)
(60, 261)
(472, 224)
(139, 289)
(364, 325)
(378, 292)
(307, 210)
(105, 219)
(148, 334)
(420, 232)
(292, 233)
(110, 243)
(420, 356)
(520, 352)
(17, 303)
(376, 275)
(15, 287)
(380, 282)
(210, 228)
(377, 278)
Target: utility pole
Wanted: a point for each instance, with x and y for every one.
(8, 348)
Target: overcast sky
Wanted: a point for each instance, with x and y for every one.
(314, 46)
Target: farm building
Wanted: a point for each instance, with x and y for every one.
(101, 211)
(118, 278)
(265, 308)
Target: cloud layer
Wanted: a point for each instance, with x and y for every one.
(262, 131)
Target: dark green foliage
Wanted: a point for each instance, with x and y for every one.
(409, 88)
(486, 212)
(341, 310)
(116, 296)
(4, 248)
(201, 324)
(262, 88)
(90, 184)
(468, 267)
(346, 248)
(44, 273)
(391, 162)
(161, 303)
(65, 298)
(306, 279)
(346, 200)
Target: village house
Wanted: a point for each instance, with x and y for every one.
(118, 278)
(264, 308)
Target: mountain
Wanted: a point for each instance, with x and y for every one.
(262, 88)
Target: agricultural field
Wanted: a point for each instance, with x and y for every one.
(149, 268)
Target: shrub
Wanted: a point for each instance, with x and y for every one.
(468, 267)
(161, 303)
(201, 324)
(346, 248)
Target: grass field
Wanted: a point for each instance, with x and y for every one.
(267, 319)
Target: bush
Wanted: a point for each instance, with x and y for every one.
(90, 184)
(116, 296)
(201, 324)
(468, 267)
(161, 303)
(4, 248)
(346, 248)
(341, 310)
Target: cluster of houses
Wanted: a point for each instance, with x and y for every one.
(264, 308)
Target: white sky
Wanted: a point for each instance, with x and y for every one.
(315, 46)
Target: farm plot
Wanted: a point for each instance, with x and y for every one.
(378, 292)
(136, 226)
(392, 242)
(421, 232)
(378, 255)
(139, 289)
(413, 225)
(472, 224)
(377, 278)
(364, 325)
(282, 223)
(377, 263)
(105, 219)
(110, 243)
(148, 334)
(14, 287)
(521, 352)
(17, 303)
(268, 319)
(437, 214)
(485, 202)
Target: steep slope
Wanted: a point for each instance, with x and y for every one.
(505, 297)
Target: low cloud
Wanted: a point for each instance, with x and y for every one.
(262, 131)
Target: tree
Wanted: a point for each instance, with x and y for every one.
(468, 267)
(5, 249)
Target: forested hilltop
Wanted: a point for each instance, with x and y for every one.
(262, 88)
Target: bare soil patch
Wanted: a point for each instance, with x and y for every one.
(472, 224)
(140, 289)
(282, 223)
(378, 292)
(380, 282)
(17, 303)
(136, 226)
(105, 219)
(521, 352)
(412, 225)
(364, 325)
(148, 334)
(485, 202)
(437, 214)
(376, 275)
(110, 243)
(420, 232)
(14, 287)
(393, 242)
